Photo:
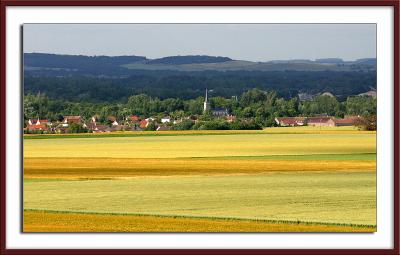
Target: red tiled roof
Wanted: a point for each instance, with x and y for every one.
(143, 123)
(37, 127)
(318, 119)
(291, 120)
(72, 119)
(34, 121)
(349, 120)
(134, 117)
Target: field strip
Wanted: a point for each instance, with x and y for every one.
(328, 196)
(81, 168)
(209, 218)
(290, 130)
(322, 156)
(201, 146)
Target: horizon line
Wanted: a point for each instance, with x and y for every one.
(294, 59)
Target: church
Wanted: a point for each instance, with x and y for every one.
(216, 112)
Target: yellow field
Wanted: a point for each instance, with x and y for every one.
(41, 221)
(271, 130)
(201, 146)
(117, 168)
(304, 179)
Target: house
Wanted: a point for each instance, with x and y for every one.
(291, 121)
(38, 127)
(220, 112)
(321, 121)
(90, 125)
(347, 121)
(118, 128)
(144, 123)
(133, 118)
(163, 128)
(113, 120)
(166, 119)
(39, 122)
(100, 128)
(230, 118)
(72, 119)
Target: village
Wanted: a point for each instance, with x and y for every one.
(97, 124)
(77, 124)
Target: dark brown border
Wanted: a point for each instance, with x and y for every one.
(4, 3)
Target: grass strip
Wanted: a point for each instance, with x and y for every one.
(268, 131)
(298, 222)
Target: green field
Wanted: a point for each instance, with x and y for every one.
(306, 179)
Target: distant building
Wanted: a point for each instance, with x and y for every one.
(39, 122)
(291, 121)
(348, 121)
(99, 128)
(220, 112)
(166, 119)
(321, 122)
(206, 104)
(144, 123)
(231, 118)
(72, 119)
(38, 127)
(216, 112)
(133, 118)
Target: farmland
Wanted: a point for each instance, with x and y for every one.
(274, 180)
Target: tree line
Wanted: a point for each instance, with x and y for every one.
(189, 85)
(259, 108)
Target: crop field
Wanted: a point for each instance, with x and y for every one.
(285, 180)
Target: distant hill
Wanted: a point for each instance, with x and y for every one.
(52, 64)
(181, 60)
(329, 61)
(103, 78)
(75, 61)
(366, 61)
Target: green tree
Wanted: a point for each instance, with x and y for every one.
(76, 128)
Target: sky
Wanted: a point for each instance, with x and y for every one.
(254, 42)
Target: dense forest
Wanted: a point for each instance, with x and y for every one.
(184, 85)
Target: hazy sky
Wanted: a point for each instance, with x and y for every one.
(256, 42)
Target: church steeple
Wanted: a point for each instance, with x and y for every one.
(206, 106)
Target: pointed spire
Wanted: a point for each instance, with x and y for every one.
(206, 105)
